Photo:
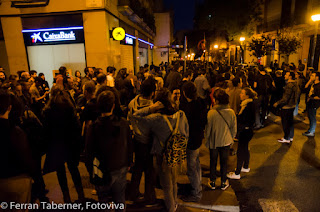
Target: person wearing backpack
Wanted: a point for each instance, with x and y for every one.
(220, 131)
(287, 105)
(169, 128)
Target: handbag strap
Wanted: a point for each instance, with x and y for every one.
(225, 121)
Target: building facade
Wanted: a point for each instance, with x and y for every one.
(293, 15)
(164, 37)
(44, 35)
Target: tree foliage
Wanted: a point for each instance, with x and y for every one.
(288, 42)
(260, 46)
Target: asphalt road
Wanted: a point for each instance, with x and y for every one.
(282, 177)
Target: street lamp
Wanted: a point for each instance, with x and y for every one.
(216, 46)
(316, 19)
(242, 39)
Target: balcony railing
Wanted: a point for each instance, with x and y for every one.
(29, 3)
(137, 13)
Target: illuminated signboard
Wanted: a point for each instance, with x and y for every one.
(53, 36)
(118, 33)
(129, 40)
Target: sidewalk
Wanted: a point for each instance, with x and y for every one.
(214, 200)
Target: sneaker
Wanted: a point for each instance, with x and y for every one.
(225, 185)
(245, 170)
(234, 176)
(291, 139)
(176, 207)
(212, 185)
(282, 140)
(308, 134)
(190, 198)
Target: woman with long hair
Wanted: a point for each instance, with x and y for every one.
(63, 133)
(159, 119)
(245, 120)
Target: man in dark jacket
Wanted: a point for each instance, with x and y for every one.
(287, 104)
(16, 162)
(313, 103)
(174, 78)
(262, 85)
(109, 142)
(196, 112)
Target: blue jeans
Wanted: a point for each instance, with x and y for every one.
(194, 172)
(296, 110)
(312, 111)
(168, 180)
(116, 188)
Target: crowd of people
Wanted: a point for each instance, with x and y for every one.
(116, 121)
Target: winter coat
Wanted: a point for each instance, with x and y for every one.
(158, 127)
(109, 140)
(217, 132)
(290, 95)
(63, 134)
(196, 113)
(140, 130)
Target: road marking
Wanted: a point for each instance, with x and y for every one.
(277, 206)
(223, 208)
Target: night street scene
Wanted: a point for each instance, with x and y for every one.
(160, 105)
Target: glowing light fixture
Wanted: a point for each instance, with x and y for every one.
(316, 17)
(52, 29)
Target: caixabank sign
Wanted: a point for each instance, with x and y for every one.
(51, 36)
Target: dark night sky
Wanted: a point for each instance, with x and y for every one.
(183, 12)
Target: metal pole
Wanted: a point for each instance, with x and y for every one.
(168, 53)
(185, 53)
(241, 55)
(314, 43)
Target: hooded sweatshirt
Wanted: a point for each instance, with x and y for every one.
(139, 128)
(158, 126)
(217, 132)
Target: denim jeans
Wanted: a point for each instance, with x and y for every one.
(263, 104)
(296, 110)
(194, 172)
(168, 180)
(243, 154)
(312, 111)
(224, 153)
(287, 123)
(143, 163)
(116, 188)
